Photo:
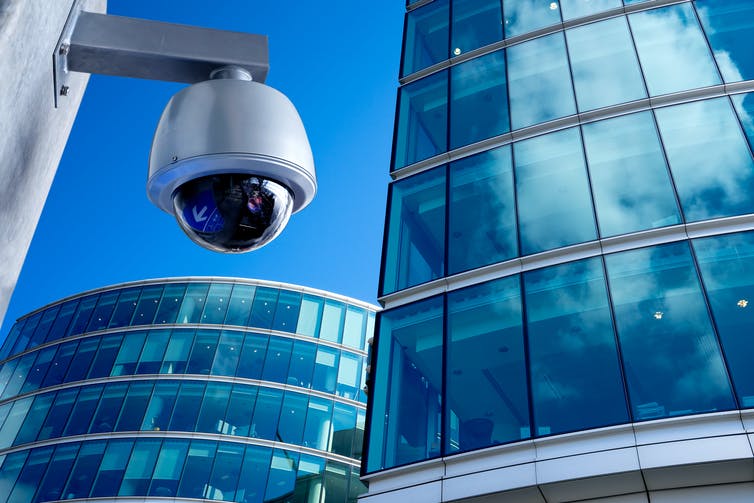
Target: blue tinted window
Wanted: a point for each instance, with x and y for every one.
(292, 418)
(228, 352)
(604, 64)
(240, 407)
(318, 414)
(139, 470)
(39, 370)
(700, 137)
(147, 305)
(128, 354)
(193, 303)
(252, 480)
(672, 50)
(263, 309)
(554, 205)
(167, 471)
(196, 469)
(727, 267)
(167, 312)
(11, 467)
(83, 410)
(421, 128)
(673, 361)
(282, 478)
(25, 336)
(286, 314)
(252, 356)
(522, 16)
(415, 243)
(476, 23)
(51, 486)
(160, 407)
(217, 303)
(102, 312)
(177, 352)
(10, 339)
(325, 369)
(134, 406)
(40, 333)
(575, 375)
(112, 468)
(108, 408)
(14, 420)
(630, 180)
(349, 376)
(59, 368)
(277, 359)
(79, 367)
(153, 351)
(486, 370)
(34, 419)
(202, 352)
(59, 327)
(58, 415)
(744, 105)
(540, 92)
(353, 327)
(426, 41)
(83, 313)
(343, 429)
(478, 100)
(103, 361)
(409, 378)
(482, 211)
(225, 472)
(84, 470)
(19, 376)
(239, 305)
(187, 406)
(578, 8)
(35, 467)
(212, 414)
(125, 308)
(302, 364)
(332, 321)
(310, 316)
(266, 413)
(729, 25)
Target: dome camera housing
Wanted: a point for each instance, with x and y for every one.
(231, 161)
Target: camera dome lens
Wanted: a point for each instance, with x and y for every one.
(232, 213)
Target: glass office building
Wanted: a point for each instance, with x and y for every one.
(568, 261)
(186, 389)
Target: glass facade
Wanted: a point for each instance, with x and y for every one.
(573, 251)
(219, 390)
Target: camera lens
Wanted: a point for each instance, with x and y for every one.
(232, 213)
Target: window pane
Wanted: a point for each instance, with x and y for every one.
(353, 328)
(332, 321)
(282, 479)
(253, 478)
(318, 419)
(699, 138)
(112, 468)
(420, 131)
(630, 180)
(325, 369)
(578, 8)
(476, 23)
(336, 480)
(25, 337)
(125, 308)
(277, 360)
(51, 486)
(81, 318)
(217, 303)
(286, 313)
(426, 40)
(103, 361)
(541, 92)
(225, 472)
(252, 356)
(160, 406)
(11, 338)
(478, 100)
(167, 471)
(84, 470)
(79, 367)
(187, 406)
(672, 49)
(59, 366)
(604, 64)
(302, 364)
(40, 333)
(58, 415)
(28, 479)
(729, 25)
(202, 352)
(482, 211)
(239, 305)
(197, 469)
(575, 375)
(134, 406)
(728, 273)
(193, 303)
(101, 314)
(128, 356)
(60, 325)
(151, 356)
(554, 205)
(744, 105)
(522, 16)
(309, 486)
(177, 352)
(240, 407)
(108, 408)
(266, 413)
(34, 419)
(409, 378)
(672, 358)
(348, 376)
(20, 374)
(310, 316)
(170, 303)
(263, 309)
(140, 466)
(414, 251)
(83, 410)
(11, 468)
(292, 417)
(343, 429)
(486, 369)
(212, 414)
(147, 305)
(39, 369)
(228, 352)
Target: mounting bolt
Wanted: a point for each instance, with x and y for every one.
(175, 158)
(64, 91)
(63, 50)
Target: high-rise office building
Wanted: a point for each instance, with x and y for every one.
(568, 264)
(186, 388)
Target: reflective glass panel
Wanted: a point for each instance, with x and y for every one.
(128, 356)
(629, 175)
(147, 305)
(83, 410)
(202, 352)
(60, 363)
(522, 16)
(343, 429)
(58, 415)
(239, 306)
(317, 428)
(167, 470)
(160, 407)
(325, 369)
(332, 321)
(83, 312)
(217, 303)
(336, 480)
(228, 352)
(108, 408)
(286, 313)
(409, 379)
(310, 315)
(187, 406)
(426, 37)
(277, 359)
(671, 355)
(102, 312)
(39, 370)
(263, 309)
(744, 105)
(167, 312)
(478, 100)
(252, 356)
(486, 370)
(302, 364)
(711, 164)
(672, 49)
(34, 419)
(11, 467)
(282, 479)
(253, 478)
(266, 413)
(79, 367)
(578, 8)
(84, 470)
(482, 213)
(212, 414)
(727, 267)
(11, 338)
(51, 486)
(476, 23)
(225, 471)
(177, 352)
(554, 204)
(604, 64)
(134, 406)
(353, 327)
(349, 373)
(40, 333)
(729, 25)
(19, 375)
(60, 325)
(309, 478)
(421, 128)
(14, 421)
(240, 407)
(112, 468)
(543, 91)
(415, 244)
(124, 309)
(292, 418)
(150, 359)
(34, 468)
(196, 469)
(103, 361)
(28, 330)
(575, 374)
(193, 303)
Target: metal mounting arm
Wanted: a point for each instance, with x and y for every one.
(131, 47)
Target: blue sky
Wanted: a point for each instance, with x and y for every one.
(338, 63)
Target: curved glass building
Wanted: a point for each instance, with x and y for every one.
(568, 262)
(186, 389)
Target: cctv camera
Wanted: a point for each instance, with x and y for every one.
(231, 161)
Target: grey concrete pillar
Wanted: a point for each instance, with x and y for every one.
(34, 132)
